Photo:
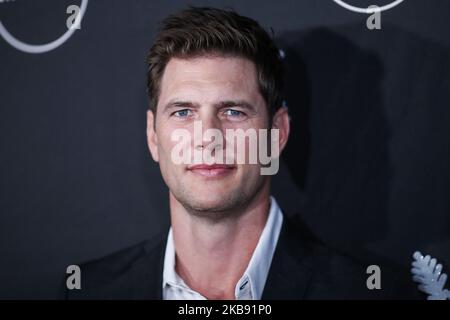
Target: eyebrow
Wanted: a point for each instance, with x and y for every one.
(179, 104)
(236, 103)
(222, 104)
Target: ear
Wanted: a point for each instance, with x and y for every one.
(152, 138)
(281, 121)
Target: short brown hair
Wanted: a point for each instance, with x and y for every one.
(198, 31)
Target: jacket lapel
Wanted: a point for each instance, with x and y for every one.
(150, 285)
(288, 277)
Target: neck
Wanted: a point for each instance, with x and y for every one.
(212, 254)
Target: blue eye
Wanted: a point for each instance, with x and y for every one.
(233, 113)
(182, 113)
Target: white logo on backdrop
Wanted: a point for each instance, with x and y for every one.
(369, 10)
(73, 23)
(373, 22)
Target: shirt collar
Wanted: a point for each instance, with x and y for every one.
(252, 282)
(259, 265)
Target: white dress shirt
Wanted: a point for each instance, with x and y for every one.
(250, 286)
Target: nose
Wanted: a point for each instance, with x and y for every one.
(207, 129)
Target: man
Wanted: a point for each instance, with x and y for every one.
(228, 239)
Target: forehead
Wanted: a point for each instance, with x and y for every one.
(209, 79)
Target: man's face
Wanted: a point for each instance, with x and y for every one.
(222, 93)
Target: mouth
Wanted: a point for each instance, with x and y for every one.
(212, 171)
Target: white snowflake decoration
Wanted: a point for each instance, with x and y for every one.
(428, 273)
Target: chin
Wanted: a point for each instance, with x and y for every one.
(210, 202)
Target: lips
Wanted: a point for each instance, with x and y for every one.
(213, 170)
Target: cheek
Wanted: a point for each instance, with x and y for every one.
(165, 142)
(248, 172)
(250, 178)
(168, 148)
(251, 146)
(167, 167)
(178, 144)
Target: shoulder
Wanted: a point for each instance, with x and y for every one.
(332, 274)
(120, 275)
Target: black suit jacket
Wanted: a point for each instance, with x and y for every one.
(301, 269)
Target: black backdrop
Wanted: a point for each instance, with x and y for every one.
(367, 168)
